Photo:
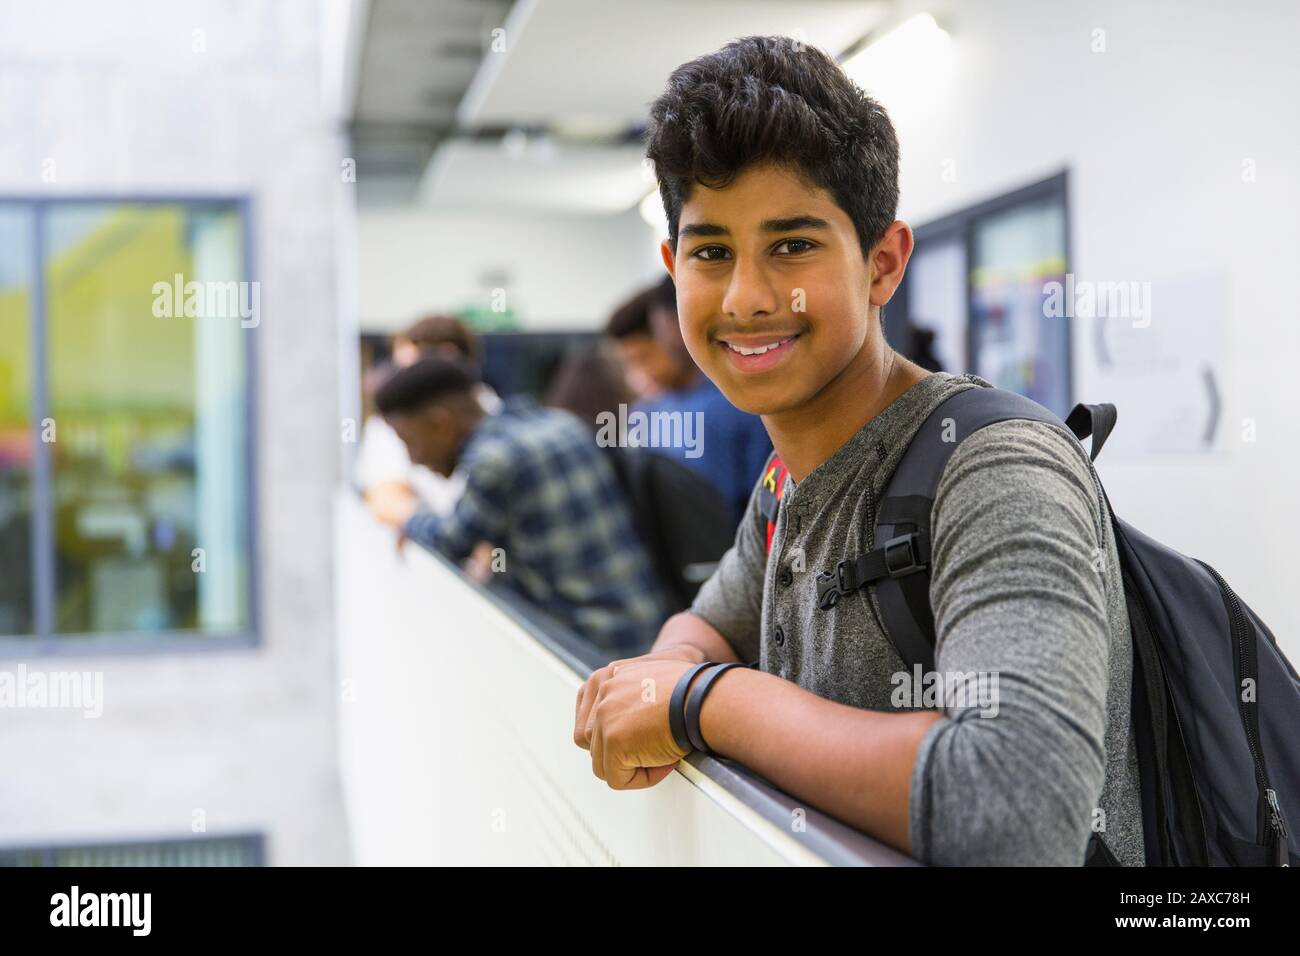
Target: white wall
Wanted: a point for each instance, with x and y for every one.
(562, 272)
(1154, 132)
(123, 102)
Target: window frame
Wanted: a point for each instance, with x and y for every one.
(959, 226)
(252, 843)
(43, 640)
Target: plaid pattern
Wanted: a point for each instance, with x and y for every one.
(539, 487)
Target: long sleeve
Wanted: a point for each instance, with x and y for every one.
(481, 513)
(1019, 596)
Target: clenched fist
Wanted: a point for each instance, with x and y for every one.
(622, 717)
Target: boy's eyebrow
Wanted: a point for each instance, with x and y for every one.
(702, 229)
(789, 224)
(792, 223)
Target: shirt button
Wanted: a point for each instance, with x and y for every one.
(785, 578)
(779, 636)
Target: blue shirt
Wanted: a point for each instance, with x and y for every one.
(735, 446)
(538, 487)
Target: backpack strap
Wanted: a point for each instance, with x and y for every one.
(769, 496)
(898, 571)
(1094, 420)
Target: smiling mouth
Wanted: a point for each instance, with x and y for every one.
(761, 349)
(760, 356)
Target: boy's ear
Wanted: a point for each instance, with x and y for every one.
(889, 261)
(669, 257)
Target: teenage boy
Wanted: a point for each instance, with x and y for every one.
(537, 487)
(780, 180)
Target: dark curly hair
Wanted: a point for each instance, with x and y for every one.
(774, 99)
(427, 381)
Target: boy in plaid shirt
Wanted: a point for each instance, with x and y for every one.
(539, 489)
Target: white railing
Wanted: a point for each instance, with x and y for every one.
(455, 728)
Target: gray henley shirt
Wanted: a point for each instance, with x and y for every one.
(1025, 587)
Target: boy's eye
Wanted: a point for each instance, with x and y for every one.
(710, 253)
(794, 246)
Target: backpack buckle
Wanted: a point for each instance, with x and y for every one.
(833, 585)
(902, 556)
(828, 589)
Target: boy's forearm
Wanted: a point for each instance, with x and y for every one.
(854, 764)
(691, 629)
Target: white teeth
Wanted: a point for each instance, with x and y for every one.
(758, 351)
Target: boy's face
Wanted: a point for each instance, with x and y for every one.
(647, 365)
(431, 436)
(772, 263)
(405, 352)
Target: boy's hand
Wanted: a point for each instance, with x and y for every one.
(626, 724)
(588, 691)
(479, 564)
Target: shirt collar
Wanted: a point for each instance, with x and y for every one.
(869, 447)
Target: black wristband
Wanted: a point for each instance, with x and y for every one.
(676, 715)
(696, 701)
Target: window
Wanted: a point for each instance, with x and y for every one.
(195, 851)
(974, 296)
(1016, 344)
(125, 456)
(16, 271)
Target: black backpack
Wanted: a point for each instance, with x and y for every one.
(680, 518)
(1215, 703)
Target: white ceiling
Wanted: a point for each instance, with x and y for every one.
(595, 62)
(433, 97)
(570, 178)
(417, 59)
(420, 55)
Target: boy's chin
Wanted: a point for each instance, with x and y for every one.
(761, 399)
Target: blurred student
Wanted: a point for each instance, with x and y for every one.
(588, 382)
(392, 484)
(732, 445)
(678, 514)
(539, 492)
